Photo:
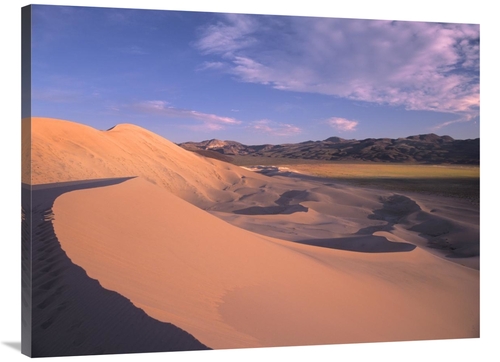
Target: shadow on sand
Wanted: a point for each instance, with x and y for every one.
(394, 209)
(363, 244)
(284, 205)
(65, 312)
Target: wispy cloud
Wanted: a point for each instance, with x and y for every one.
(342, 124)
(204, 127)
(419, 66)
(230, 34)
(209, 121)
(463, 119)
(275, 128)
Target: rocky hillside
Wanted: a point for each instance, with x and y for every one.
(427, 148)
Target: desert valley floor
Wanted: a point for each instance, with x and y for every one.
(140, 245)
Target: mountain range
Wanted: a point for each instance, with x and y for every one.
(425, 148)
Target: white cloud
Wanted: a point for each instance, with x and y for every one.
(342, 124)
(228, 36)
(420, 66)
(209, 121)
(465, 118)
(275, 128)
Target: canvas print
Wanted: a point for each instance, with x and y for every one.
(196, 181)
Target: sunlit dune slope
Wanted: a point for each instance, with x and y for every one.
(68, 151)
(233, 288)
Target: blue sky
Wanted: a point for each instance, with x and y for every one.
(254, 78)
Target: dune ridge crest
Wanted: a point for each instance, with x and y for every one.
(67, 151)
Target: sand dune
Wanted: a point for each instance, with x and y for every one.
(67, 151)
(72, 314)
(239, 259)
(233, 288)
(297, 209)
(344, 217)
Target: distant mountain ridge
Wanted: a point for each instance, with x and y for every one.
(425, 148)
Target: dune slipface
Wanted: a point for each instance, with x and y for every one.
(237, 259)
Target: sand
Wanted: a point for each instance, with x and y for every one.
(67, 151)
(316, 211)
(239, 259)
(232, 288)
(73, 314)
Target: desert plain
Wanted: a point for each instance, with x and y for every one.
(139, 245)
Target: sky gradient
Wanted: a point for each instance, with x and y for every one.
(191, 76)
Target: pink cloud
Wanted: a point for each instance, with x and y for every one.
(275, 128)
(342, 124)
(209, 121)
(416, 65)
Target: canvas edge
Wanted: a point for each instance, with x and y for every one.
(26, 224)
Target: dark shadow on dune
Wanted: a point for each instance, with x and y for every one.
(363, 244)
(465, 250)
(14, 345)
(72, 314)
(271, 210)
(395, 208)
(369, 230)
(293, 195)
(436, 230)
(284, 202)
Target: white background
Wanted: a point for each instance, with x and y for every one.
(477, 12)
